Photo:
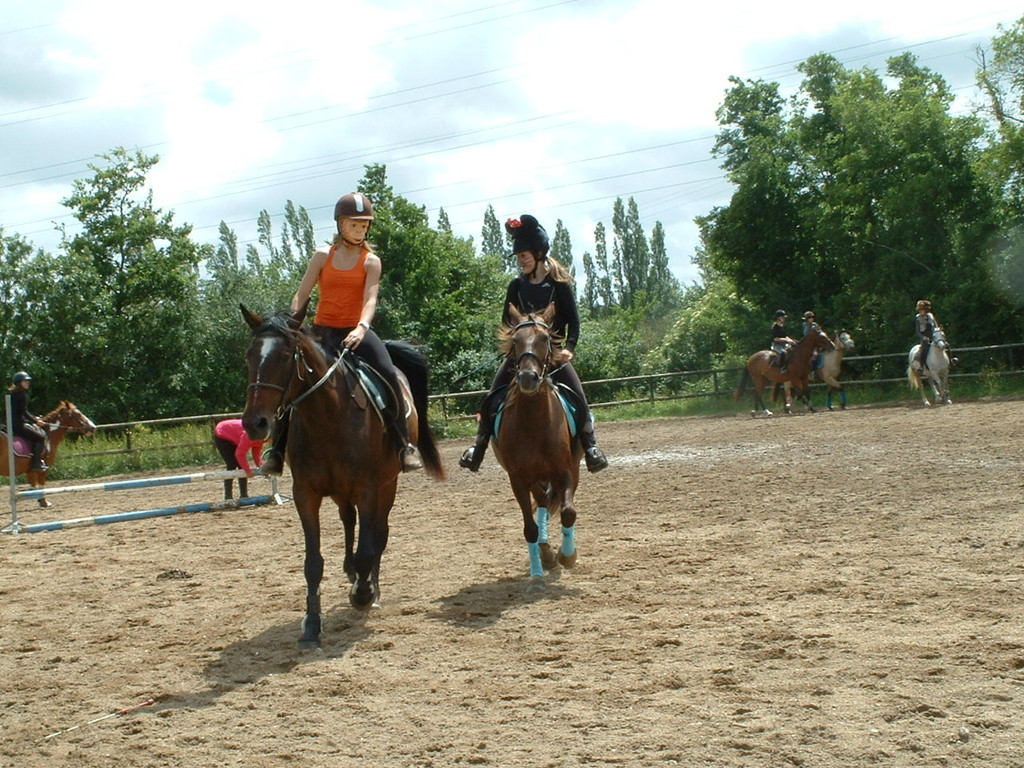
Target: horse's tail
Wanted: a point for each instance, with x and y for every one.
(913, 378)
(413, 364)
(744, 380)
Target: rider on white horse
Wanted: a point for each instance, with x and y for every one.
(925, 324)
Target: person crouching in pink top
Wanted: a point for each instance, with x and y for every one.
(230, 439)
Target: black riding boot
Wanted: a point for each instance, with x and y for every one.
(475, 453)
(243, 487)
(36, 463)
(592, 453)
(273, 461)
(408, 454)
(227, 489)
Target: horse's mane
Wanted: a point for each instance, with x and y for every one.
(506, 332)
(63, 405)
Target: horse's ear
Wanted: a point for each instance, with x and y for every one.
(252, 319)
(300, 314)
(549, 313)
(515, 314)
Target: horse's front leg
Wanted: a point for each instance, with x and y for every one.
(567, 549)
(309, 515)
(531, 532)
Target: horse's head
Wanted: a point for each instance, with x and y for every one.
(271, 364)
(530, 342)
(67, 416)
(844, 341)
(939, 339)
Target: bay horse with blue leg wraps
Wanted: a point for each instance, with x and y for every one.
(339, 444)
(762, 368)
(535, 443)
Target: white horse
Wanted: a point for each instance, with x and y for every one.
(826, 369)
(936, 370)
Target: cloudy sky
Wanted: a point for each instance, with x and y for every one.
(550, 107)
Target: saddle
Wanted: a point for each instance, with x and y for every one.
(367, 386)
(22, 447)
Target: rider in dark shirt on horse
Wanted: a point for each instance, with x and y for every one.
(25, 424)
(543, 281)
(781, 342)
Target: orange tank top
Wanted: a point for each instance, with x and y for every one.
(341, 293)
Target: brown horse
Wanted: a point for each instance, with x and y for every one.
(762, 369)
(338, 445)
(61, 420)
(534, 444)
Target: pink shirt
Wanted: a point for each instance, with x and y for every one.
(231, 430)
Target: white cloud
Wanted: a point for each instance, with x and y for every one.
(551, 108)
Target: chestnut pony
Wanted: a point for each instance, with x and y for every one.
(534, 443)
(338, 445)
(58, 422)
(761, 369)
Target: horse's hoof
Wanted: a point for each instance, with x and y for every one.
(45, 503)
(310, 637)
(537, 584)
(547, 556)
(363, 599)
(566, 561)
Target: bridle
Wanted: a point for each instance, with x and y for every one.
(302, 370)
(543, 362)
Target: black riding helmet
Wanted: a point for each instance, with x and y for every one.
(528, 235)
(780, 313)
(20, 376)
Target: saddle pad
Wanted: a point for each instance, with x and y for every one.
(567, 405)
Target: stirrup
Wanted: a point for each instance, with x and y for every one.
(273, 464)
(410, 458)
(595, 458)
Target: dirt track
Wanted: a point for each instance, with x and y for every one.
(830, 590)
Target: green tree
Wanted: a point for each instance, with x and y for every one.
(134, 275)
(493, 243)
(561, 247)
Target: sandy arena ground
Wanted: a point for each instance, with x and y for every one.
(829, 590)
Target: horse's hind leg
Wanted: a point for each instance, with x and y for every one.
(347, 513)
(373, 539)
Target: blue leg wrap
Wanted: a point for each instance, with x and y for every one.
(536, 569)
(828, 400)
(542, 525)
(568, 547)
(842, 397)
